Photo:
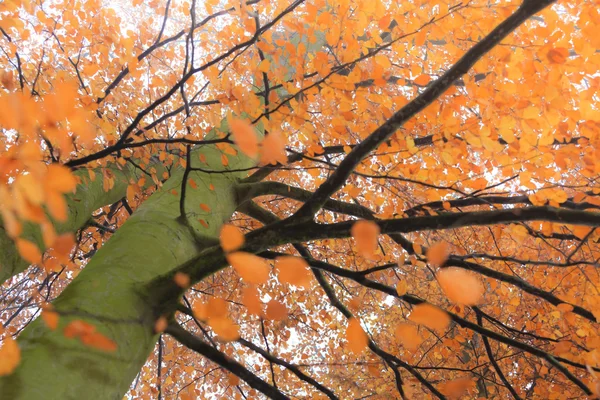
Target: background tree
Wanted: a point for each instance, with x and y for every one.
(406, 192)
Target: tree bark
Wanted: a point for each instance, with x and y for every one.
(110, 292)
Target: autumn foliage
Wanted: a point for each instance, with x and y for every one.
(391, 199)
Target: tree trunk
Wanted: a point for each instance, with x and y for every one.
(109, 292)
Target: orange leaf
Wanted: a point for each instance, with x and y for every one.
(98, 341)
(57, 206)
(48, 233)
(131, 191)
(78, 328)
(160, 325)
(430, 316)
(354, 304)
(251, 300)
(60, 179)
(182, 280)
(579, 197)
(293, 270)
(224, 160)
(564, 307)
(50, 319)
(231, 238)
(456, 388)
(273, 149)
(356, 336)
(205, 207)
(581, 231)
(62, 247)
(10, 356)
(251, 268)
(422, 80)
(244, 136)
(193, 183)
(417, 248)
(558, 55)
(460, 286)
(200, 310)
(29, 251)
(225, 328)
(408, 336)
(438, 254)
(365, 233)
(276, 310)
(216, 308)
(51, 264)
(233, 380)
(31, 188)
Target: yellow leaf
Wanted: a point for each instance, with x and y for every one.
(460, 286)
(251, 268)
(356, 336)
(531, 113)
(264, 66)
(244, 136)
(231, 238)
(401, 287)
(293, 270)
(430, 316)
(10, 356)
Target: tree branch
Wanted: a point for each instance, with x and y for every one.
(194, 343)
(439, 86)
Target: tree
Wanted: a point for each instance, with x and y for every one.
(339, 199)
